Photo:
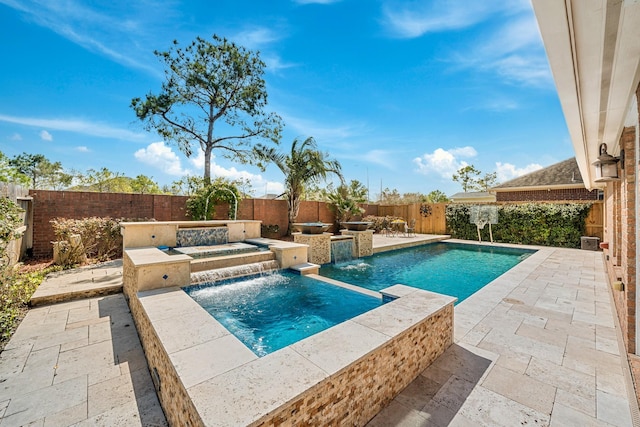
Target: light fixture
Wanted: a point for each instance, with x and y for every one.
(606, 166)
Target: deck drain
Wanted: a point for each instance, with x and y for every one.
(512, 301)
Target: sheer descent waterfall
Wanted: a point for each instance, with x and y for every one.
(231, 272)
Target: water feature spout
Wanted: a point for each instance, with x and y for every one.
(342, 249)
(217, 274)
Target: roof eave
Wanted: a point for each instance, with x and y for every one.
(594, 56)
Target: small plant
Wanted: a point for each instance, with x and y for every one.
(269, 229)
(10, 220)
(345, 200)
(15, 291)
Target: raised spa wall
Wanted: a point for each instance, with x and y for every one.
(342, 376)
(205, 376)
(146, 267)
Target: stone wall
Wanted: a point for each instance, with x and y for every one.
(176, 404)
(319, 251)
(355, 395)
(351, 395)
(363, 242)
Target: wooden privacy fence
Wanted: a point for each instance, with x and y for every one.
(430, 217)
(594, 224)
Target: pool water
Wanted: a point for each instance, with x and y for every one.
(453, 269)
(272, 311)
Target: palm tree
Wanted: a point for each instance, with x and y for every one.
(303, 166)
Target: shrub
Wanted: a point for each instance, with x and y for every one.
(544, 224)
(15, 292)
(10, 220)
(100, 237)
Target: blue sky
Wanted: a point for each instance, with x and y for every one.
(402, 93)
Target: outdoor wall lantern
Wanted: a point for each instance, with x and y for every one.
(606, 166)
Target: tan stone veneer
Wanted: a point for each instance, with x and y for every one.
(363, 241)
(343, 375)
(319, 251)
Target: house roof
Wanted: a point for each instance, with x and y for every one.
(565, 174)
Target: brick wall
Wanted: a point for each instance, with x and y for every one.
(48, 205)
(547, 195)
(621, 262)
(629, 233)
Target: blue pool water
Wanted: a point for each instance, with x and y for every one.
(273, 311)
(453, 269)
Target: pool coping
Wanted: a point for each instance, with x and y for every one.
(210, 358)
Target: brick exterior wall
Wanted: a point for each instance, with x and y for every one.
(566, 194)
(621, 263)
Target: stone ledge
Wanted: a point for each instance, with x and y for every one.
(369, 358)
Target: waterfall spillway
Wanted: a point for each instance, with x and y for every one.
(341, 250)
(232, 272)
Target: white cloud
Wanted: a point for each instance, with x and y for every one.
(256, 37)
(16, 137)
(45, 136)
(77, 126)
(162, 157)
(507, 171)
(315, 1)
(121, 33)
(274, 63)
(322, 132)
(444, 162)
(258, 182)
(514, 52)
(380, 157)
(420, 18)
(83, 149)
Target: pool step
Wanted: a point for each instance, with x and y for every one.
(202, 264)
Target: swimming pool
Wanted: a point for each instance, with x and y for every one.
(454, 269)
(272, 311)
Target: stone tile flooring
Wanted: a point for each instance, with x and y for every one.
(77, 363)
(538, 346)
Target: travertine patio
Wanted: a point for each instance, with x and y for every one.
(539, 345)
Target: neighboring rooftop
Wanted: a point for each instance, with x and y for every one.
(473, 196)
(565, 174)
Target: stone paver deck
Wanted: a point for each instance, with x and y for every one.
(538, 346)
(94, 280)
(77, 363)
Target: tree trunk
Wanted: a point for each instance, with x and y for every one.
(294, 208)
(207, 165)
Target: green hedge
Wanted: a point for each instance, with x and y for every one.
(545, 224)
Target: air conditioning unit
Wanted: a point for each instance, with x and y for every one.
(589, 243)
